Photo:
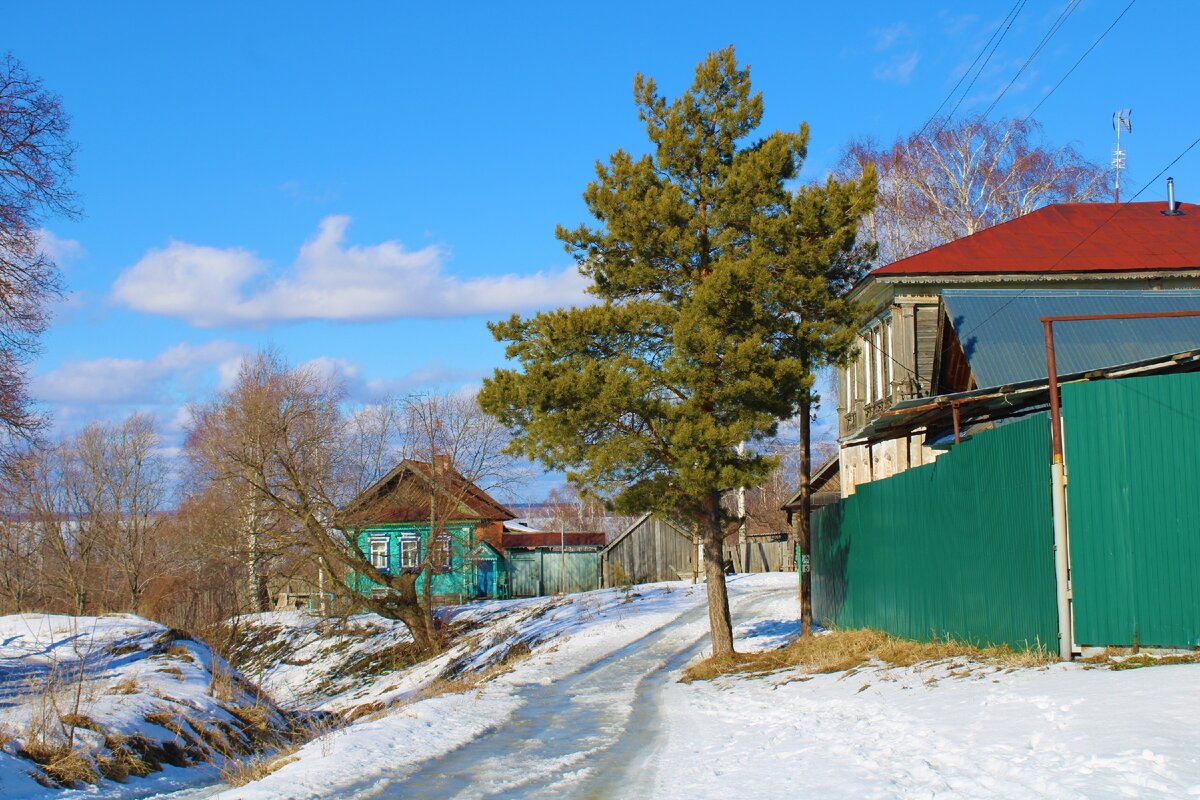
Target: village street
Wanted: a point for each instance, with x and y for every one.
(612, 720)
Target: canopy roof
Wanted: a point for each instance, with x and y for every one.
(1004, 340)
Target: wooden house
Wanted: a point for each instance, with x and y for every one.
(393, 518)
(965, 317)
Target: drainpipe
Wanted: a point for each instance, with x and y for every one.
(1058, 502)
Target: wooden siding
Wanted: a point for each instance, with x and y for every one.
(761, 554)
(653, 550)
(927, 324)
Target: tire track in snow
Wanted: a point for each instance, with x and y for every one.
(575, 737)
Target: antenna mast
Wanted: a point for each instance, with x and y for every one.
(1120, 120)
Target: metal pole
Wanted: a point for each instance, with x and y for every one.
(1058, 503)
(955, 413)
(562, 578)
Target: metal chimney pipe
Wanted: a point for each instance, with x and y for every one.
(1170, 195)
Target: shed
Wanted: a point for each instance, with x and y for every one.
(652, 549)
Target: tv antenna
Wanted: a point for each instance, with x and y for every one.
(1120, 120)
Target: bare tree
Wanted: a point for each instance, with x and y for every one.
(36, 163)
(464, 450)
(965, 176)
(125, 462)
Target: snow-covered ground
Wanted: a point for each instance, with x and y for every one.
(133, 695)
(947, 730)
(596, 710)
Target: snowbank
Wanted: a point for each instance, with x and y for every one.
(118, 697)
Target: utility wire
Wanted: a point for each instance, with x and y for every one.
(969, 69)
(1011, 19)
(1002, 29)
(1063, 16)
(1099, 39)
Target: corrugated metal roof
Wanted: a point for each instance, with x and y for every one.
(1004, 340)
(1070, 237)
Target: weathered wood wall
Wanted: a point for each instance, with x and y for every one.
(655, 550)
(760, 555)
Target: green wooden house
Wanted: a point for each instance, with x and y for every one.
(392, 521)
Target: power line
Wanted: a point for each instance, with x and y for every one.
(967, 91)
(1099, 39)
(1063, 16)
(969, 69)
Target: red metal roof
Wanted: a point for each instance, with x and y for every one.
(551, 539)
(1070, 237)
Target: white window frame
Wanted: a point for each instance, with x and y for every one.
(377, 551)
(410, 552)
(877, 338)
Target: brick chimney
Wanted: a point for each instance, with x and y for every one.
(441, 463)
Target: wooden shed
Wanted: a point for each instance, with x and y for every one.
(652, 549)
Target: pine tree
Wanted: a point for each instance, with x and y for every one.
(711, 281)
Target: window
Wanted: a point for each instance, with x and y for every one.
(410, 552)
(866, 364)
(890, 348)
(439, 553)
(877, 339)
(379, 553)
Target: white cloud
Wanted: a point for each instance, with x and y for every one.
(329, 280)
(61, 251)
(899, 70)
(886, 37)
(130, 380)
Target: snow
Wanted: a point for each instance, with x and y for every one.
(937, 730)
(115, 672)
(596, 710)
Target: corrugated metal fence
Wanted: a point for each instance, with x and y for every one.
(960, 547)
(540, 572)
(1133, 460)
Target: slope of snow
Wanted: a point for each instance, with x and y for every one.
(565, 634)
(138, 694)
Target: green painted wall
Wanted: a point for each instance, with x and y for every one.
(1133, 462)
(962, 547)
(461, 578)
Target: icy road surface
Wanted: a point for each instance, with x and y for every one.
(597, 712)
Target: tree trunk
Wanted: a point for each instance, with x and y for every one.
(712, 535)
(260, 599)
(800, 519)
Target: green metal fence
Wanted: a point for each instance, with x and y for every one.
(1133, 460)
(540, 572)
(962, 547)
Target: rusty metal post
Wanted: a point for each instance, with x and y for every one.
(1056, 450)
(957, 433)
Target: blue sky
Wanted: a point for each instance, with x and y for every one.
(366, 184)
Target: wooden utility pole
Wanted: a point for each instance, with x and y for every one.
(800, 520)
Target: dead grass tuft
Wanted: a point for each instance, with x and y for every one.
(127, 685)
(1144, 660)
(79, 721)
(842, 651)
(64, 766)
(239, 773)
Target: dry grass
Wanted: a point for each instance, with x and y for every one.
(179, 651)
(79, 721)
(239, 773)
(841, 651)
(1145, 660)
(128, 685)
(63, 765)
